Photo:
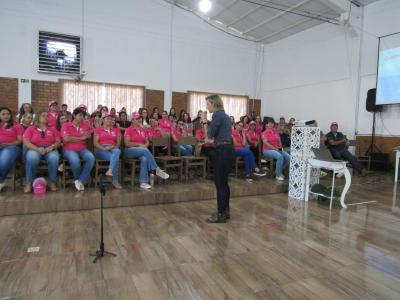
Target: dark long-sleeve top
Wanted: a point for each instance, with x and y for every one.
(220, 128)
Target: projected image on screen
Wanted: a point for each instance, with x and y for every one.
(388, 81)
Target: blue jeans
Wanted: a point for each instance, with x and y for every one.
(147, 161)
(113, 157)
(74, 159)
(186, 150)
(282, 159)
(249, 160)
(8, 157)
(32, 161)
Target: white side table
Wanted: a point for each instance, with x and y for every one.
(336, 167)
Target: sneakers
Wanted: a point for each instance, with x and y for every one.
(161, 173)
(145, 186)
(60, 167)
(280, 178)
(79, 185)
(116, 185)
(2, 185)
(258, 172)
(249, 179)
(216, 218)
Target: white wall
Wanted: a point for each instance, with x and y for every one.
(315, 75)
(128, 41)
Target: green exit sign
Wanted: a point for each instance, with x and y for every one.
(24, 80)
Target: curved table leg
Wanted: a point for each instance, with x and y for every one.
(347, 176)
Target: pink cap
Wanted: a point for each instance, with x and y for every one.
(135, 115)
(334, 124)
(106, 114)
(53, 102)
(252, 123)
(82, 106)
(39, 186)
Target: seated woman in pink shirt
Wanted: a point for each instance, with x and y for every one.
(75, 135)
(106, 142)
(176, 134)
(136, 143)
(166, 124)
(53, 114)
(272, 148)
(10, 143)
(42, 142)
(239, 141)
(204, 147)
(253, 139)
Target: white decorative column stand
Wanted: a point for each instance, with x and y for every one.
(302, 141)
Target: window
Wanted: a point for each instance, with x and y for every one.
(59, 53)
(92, 94)
(234, 105)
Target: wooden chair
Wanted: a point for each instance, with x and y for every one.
(16, 173)
(130, 164)
(168, 161)
(67, 169)
(192, 160)
(102, 165)
(361, 158)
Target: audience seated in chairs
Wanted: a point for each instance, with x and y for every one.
(106, 142)
(205, 146)
(336, 143)
(272, 148)
(176, 134)
(75, 135)
(239, 142)
(166, 125)
(10, 143)
(42, 142)
(136, 146)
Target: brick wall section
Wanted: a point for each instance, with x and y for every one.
(42, 93)
(179, 102)
(9, 93)
(257, 107)
(154, 98)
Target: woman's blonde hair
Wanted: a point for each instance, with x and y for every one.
(37, 117)
(216, 101)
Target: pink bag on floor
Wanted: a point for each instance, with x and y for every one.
(39, 186)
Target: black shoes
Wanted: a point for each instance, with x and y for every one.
(217, 218)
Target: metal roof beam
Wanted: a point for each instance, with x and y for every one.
(339, 6)
(276, 16)
(221, 10)
(249, 12)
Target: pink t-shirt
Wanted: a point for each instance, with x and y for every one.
(10, 135)
(52, 119)
(176, 134)
(137, 135)
(41, 138)
(68, 129)
(165, 125)
(201, 136)
(238, 138)
(273, 138)
(252, 135)
(107, 137)
(153, 132)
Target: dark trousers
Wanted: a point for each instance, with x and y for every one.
(346, 155)
(256, 152)
(224, 156)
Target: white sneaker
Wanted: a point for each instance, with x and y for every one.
(248, 179)
(2, 185)
(257, 172)
(280, 178)
(79, 185)
(161, 173)
(145, 186)
(60, 167)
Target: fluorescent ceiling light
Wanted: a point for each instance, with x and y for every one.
(205, 6)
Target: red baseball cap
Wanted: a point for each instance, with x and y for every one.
(106, 114)
(252, 123)
(82, 106)
(135, 116)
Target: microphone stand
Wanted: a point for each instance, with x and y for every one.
(101, 252)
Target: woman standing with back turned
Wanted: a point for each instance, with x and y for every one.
(221, 130)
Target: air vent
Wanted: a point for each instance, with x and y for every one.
(59, 53)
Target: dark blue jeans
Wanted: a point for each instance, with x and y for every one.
(224, 156)
(8, 157)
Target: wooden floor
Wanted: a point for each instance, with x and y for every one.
(272, 248)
